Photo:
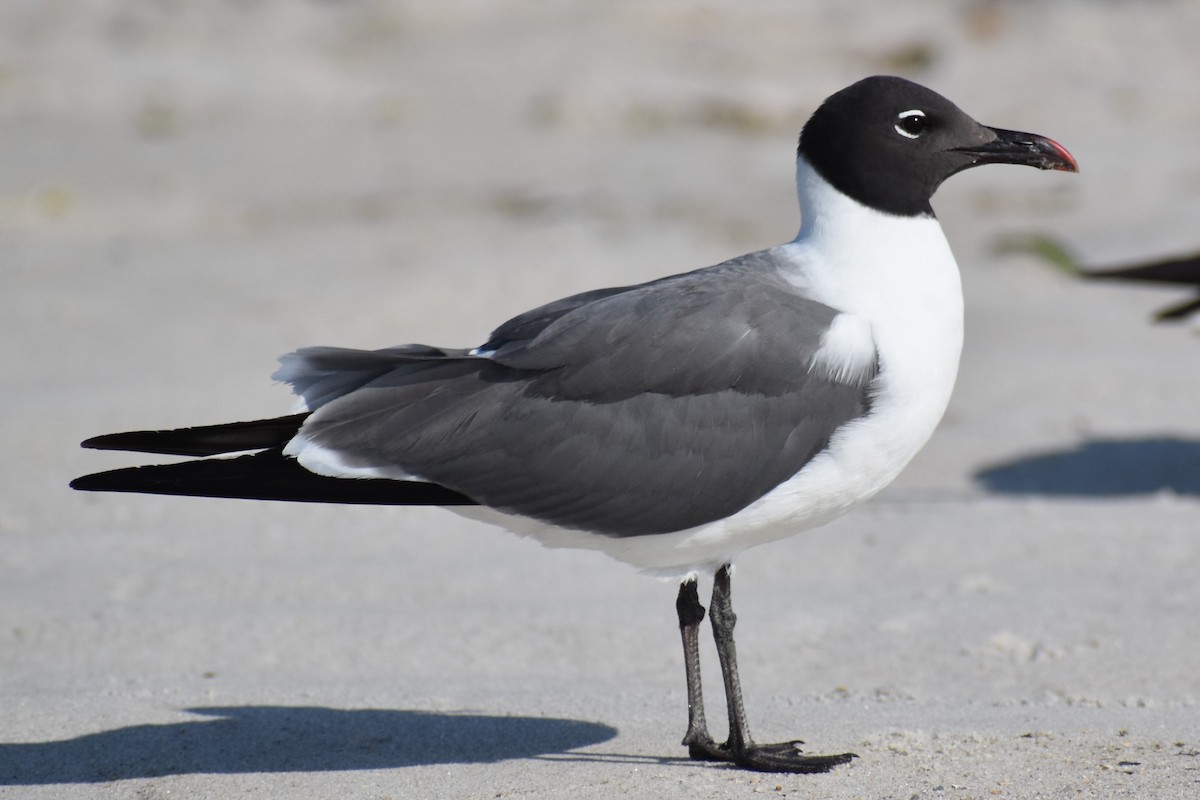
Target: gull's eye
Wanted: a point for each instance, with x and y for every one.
(911, 124)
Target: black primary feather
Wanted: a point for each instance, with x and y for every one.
(268, 475)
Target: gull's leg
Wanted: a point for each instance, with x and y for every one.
(740, 748)
(699, 742)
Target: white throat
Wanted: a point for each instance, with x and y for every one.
(896, 273)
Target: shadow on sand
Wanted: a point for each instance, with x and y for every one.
(290, 739)
(1102, 468)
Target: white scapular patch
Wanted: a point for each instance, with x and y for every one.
(847, 351)
(330, 463)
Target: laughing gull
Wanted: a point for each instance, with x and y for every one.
(671, 424)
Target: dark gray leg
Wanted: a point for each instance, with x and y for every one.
(739, 749)
(723, 621)
(699, 742)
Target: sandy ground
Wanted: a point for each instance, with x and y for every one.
(188, 190)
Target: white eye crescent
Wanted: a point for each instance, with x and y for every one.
(912, 123)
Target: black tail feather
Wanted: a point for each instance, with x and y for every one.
(1174, 270)
(268, 475)
(205, 440)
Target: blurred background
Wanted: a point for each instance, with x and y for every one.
(188, 190)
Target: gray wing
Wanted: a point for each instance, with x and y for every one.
(528, 325)
(645, 410)
(321, 374)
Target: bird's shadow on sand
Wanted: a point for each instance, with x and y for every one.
(1102, 468)
(247, 739)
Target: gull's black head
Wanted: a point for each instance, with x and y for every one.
(889, 143)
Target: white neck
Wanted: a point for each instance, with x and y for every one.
(820, 204)
(880, 266)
